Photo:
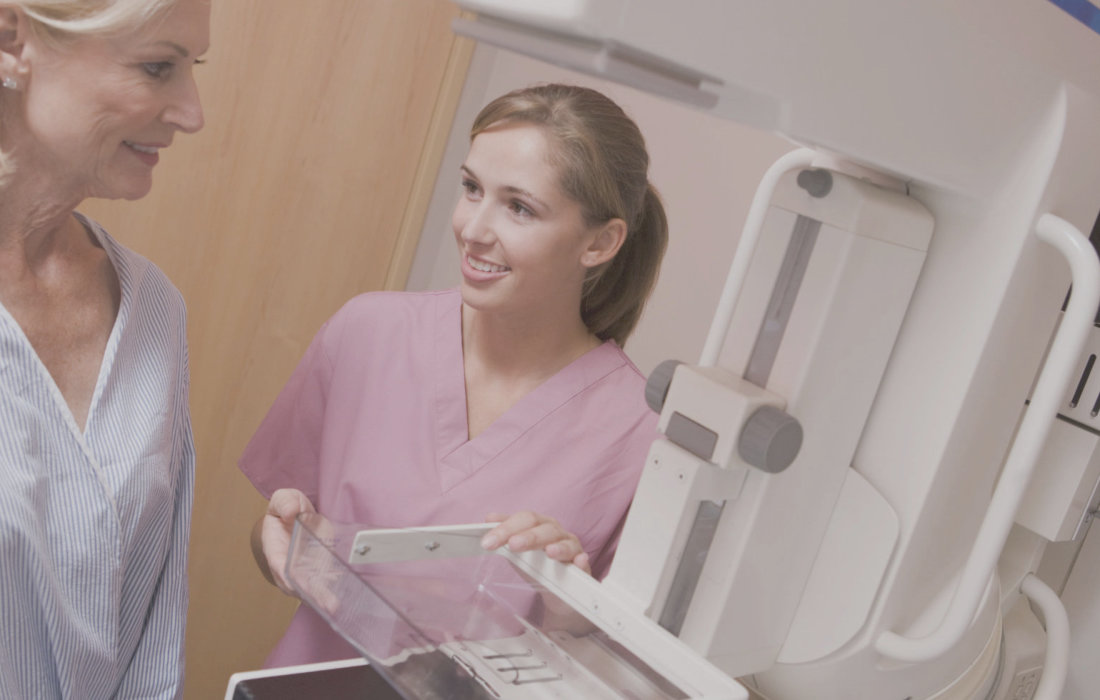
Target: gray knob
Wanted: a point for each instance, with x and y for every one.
(660, 379)
(770, 439)
(817, 183)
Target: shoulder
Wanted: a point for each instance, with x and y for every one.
(398, 302)
(141, 275)
(621, 375)
(629, 369)
(388, 320)
(378, 310)
(614, 394)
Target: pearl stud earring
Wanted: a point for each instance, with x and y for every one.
(9, 83)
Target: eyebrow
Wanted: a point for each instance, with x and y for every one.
(174, 46)
(511, 190)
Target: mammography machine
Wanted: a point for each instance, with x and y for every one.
(895, 410)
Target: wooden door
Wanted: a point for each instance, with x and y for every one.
(325, 123)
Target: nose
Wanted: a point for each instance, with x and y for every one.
(471, 222)
(185, 111)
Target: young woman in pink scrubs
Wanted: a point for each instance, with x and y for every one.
(511, 393)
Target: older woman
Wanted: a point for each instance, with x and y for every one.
(96, 456)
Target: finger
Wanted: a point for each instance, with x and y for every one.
(283, 502)
(583, 563)
(520, 521)
(283, 584)
(539, 537)
(276, 563)
(276, 549)
(508, 527)
(287, 504)
(304, 504)
(564, 550)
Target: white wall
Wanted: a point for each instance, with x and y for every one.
(706, 169)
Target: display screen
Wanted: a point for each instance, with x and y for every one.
(349, 683)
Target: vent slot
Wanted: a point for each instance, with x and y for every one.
(1095, 404)
(1081, 384)
(1082, 400)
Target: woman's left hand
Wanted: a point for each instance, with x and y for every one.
(527, 530)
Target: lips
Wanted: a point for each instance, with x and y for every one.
(484, 266)
(145, 153)
(141, 148)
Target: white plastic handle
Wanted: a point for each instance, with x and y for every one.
(750, 234)
(1040, 414)
(1056, 663)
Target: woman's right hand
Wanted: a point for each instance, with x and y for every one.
(271, 535)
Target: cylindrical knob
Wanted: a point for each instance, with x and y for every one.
(770, 439)
(817, 183)
(660, 379)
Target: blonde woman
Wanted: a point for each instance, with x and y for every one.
(96, 456)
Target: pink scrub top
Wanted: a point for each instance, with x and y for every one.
(372, 427)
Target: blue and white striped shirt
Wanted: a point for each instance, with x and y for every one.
(94, 524)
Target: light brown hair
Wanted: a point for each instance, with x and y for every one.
(603, 165)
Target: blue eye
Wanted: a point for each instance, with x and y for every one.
(157, 69)
(470, 187)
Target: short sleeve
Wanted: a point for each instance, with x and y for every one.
(285, 450)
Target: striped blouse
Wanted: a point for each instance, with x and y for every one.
(94, 524)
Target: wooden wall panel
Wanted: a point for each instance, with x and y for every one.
(326, 121)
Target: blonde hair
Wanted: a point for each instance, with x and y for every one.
(60, 20)
(603, 165)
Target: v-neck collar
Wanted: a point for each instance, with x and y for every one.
(457, 456)
(125, 284)
(123, 273)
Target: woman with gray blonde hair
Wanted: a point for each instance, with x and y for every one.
(510, 394)
(96, 453)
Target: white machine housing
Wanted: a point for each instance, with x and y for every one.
(794, 333)
(984, 115)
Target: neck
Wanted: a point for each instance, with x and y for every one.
(524, 346)
(33, 225)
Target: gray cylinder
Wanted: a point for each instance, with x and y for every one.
(817, 183)
(660, 379)
(770, 439)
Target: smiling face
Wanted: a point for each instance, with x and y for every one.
(524, 244)
(97, 110)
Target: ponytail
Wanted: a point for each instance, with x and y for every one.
(615, 294)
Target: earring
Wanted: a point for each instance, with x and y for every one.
(9, 83)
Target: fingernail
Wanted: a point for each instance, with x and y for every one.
(490, 541)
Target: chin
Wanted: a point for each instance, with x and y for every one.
(126, 190)
(136, 195)
(475, 298)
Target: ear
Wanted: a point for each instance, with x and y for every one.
(605, 243)
(13, 40)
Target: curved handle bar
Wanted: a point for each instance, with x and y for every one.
(1056, 621)
(1048, 394)
(723, 315)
